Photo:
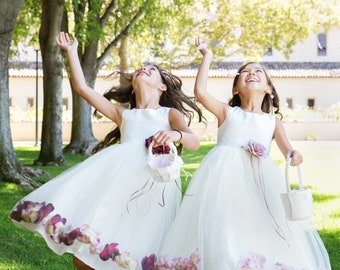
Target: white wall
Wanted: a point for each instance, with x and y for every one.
(306, 51)
(21, 88)
(325, 91)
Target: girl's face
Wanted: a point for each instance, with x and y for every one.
(252, 77)
(149, 75)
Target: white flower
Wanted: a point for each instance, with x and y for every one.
(124, 260)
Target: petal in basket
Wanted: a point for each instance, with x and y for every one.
(164, 167)
(298, 203)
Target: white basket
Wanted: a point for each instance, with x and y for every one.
(164, 167)
(297, 203)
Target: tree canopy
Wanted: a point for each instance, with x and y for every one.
(165, 29)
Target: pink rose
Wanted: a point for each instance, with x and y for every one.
(256, 149)
(164, 263)
(68, 238)
(88, 235)
(282, 266)
(109, 251)
(160, 149)
(31, 212)
(148, 263)
(254, 261)
(55, 227)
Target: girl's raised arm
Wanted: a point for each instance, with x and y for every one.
(79, 84)
(211, 103)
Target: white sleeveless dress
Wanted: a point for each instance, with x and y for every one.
(232, 217)
(107, 210)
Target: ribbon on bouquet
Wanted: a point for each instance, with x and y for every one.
(146, 188)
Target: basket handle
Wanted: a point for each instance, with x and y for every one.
(171, 145)
(287, 175)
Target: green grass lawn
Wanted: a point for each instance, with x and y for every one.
(22, 250)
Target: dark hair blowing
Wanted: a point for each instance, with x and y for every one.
(270, 103)
(173, 97)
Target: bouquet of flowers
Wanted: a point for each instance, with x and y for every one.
(164, 165)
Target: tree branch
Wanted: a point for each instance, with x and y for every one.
(107, 13)
(124, 32)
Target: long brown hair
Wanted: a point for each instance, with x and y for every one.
(173, 97)
(270, 103)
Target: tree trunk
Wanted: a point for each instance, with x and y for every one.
(124, 52)
(10, 168)
(82, 138)
(51, 152)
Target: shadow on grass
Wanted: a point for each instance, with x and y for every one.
(22, 250)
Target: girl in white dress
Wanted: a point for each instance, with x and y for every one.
(233, 218)
(107, 210)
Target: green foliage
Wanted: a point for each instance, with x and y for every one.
(164, 30)
(28, 23)
(263, 25)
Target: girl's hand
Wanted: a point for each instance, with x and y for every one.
(65, 43)
(296, 158)
(166, 137)
(202, 47)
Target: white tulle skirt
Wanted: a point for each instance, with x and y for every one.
(107, 210)
(232, 218)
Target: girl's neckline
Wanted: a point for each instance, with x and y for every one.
(148, 108)
(247, 111)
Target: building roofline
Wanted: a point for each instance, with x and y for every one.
(220, 70)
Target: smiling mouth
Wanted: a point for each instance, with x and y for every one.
(142, 73)
(251, 80)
